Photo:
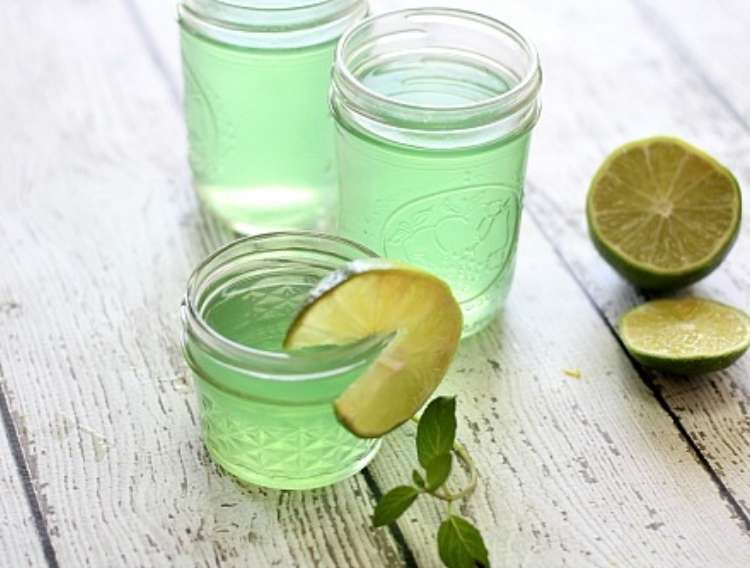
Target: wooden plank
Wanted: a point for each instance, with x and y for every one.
(587, 472)
(99, 231)
(20, 544)
(705, 37)
(642, 83)
(156, 23)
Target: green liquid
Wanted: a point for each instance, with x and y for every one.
(275, 433)
(455, 212)
(260, 133)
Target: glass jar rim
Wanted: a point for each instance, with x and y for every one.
(521, 95)
(301, 365)
(337, 8)
(264, 25)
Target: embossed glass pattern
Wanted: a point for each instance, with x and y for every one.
(434, 109)
(256, 75)
(266, 414)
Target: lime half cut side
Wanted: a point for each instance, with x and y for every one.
(686, 336)
(663, 213)
(376, 297)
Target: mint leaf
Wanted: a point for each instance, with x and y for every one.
(460, 545)
(417, 479)
(436, 431)
(438, 471)
(393, 504)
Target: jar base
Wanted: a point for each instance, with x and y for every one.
(253, 211)
(246, 475)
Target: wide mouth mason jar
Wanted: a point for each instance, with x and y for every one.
(256, 76)
(434, 110)
(267, 415)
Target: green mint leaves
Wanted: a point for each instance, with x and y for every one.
(436, 432)
(393, 504)
(438, 471)
(460, 544)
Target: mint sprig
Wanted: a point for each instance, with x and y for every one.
(460, 544)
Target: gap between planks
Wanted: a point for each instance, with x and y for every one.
(24, 473)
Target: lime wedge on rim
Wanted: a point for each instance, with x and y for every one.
(663, 213)
(375, 297)
(686, 336)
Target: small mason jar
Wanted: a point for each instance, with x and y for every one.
(267, 415)
(434, 111)
(256, 76)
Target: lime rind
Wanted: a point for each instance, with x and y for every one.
(650, 276)
(378, 296)
(689, 366)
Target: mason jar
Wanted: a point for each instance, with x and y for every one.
(434, 111)
(267, 415)
(260, 133)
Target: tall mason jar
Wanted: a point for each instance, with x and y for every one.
(256, 76)
(434, 111)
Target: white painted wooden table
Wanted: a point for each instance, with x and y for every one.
(100, 459)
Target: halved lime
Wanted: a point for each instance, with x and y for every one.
(377, 296)
(663, 213)
(686, 336)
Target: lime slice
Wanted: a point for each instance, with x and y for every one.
(377, 296)
(686, 336)
(663, 213)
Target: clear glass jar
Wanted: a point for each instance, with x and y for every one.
(267, 415)
(256, 76)
(434, 109)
